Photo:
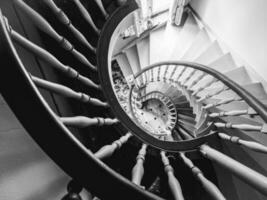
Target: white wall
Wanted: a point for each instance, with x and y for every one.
(242, 25)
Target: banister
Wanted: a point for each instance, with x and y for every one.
(51, 135)
(259, 107)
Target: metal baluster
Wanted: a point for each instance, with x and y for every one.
(165, 73)
(43, 25)
(158, 76)
(172, 73)
(181, 74)
(152, 75)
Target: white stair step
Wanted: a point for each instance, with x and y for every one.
(239, 75)
(143, 52)
(210, 54)
(185, 38)
(224, 63)
(169, 40)
(124, 66)
(256, 89)
(157, 87)
(201, 42)
(154, 50)
(133, 59)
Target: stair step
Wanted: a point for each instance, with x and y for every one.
(154, 50)
(185, 38)
(183, 105)
(189, 114)
(224, 63)
(155, 37)
(190, 124)
(188, 128)
(169, 40)
(200, 43)
(239, 75)
(133, 59)
(143, 52)
(256, 89)
(210, 54)
(186, 118)
(179, 100)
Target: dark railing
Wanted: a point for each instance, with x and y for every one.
(51, 133)
(186, 78)
(19, 89)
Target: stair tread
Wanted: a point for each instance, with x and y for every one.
(154, 50)
(224, 63)
(201, 42)
(143, 52)
(256, 89)
(160, 40)
(211, 53)
(239, 75)
(185, 38)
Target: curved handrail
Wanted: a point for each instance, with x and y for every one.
(103, 62)
(259, 107)
(51, 135)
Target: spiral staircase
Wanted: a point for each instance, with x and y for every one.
(132, 105)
